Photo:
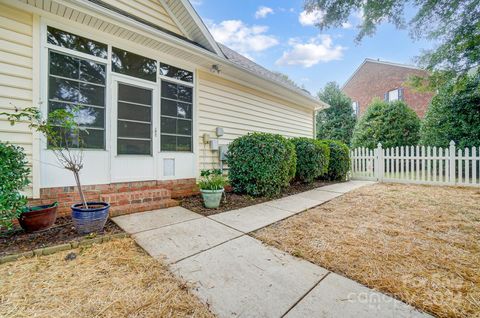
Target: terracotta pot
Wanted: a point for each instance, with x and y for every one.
(38, 218)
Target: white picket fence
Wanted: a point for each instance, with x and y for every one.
(418, 164)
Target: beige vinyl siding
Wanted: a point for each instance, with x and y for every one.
(239, 110)
(16, 28)
(148, 10)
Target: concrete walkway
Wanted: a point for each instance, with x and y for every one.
(241, 277)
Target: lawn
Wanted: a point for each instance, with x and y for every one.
(114, 279)
(420, 244)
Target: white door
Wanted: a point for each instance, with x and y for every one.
(134, 110)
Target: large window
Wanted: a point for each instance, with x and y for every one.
(131, 64)
(78, 85)
(77, 43)
(176, 117)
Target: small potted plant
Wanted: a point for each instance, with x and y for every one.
(63, 134)
(212, 184)
(14, 173)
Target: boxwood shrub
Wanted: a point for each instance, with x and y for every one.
(14, 173)
(339, 163)
(312, 158)
(261, 164)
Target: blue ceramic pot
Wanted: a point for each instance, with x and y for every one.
(92, 219)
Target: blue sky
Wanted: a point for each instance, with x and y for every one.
(277, 35)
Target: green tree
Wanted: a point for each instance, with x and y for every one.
(337, 121)
(454, 114)
(392, 124)
(453, 24)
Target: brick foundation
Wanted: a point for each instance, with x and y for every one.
(124, 197)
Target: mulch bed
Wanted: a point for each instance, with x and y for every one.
(232, 201)
(62, 232)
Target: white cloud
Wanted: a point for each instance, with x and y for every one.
(196, 2)
(311, 18)
(347, 25)
(262, 12)
(242, 38)
(315, 50)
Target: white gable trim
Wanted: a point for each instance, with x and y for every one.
(188, 9)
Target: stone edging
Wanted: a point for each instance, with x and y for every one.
(62, 247)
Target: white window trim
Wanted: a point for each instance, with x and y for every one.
(86, 32)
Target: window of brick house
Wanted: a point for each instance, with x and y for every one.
(356, 108)
(393, 95)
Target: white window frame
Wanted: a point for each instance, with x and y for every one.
(177, 81)
(356, 108)
(93, 34)
(45, 48)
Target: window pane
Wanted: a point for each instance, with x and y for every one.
(169, 90)
(184, 110)
(177, 73)
(94, 139)
(169, 125)
(393, 95)
(184, 144)
(169, 143)
(64, 65)
(131, 64)
(92, 72)
(84, 116)
(92, 94)
(69, 94)
(91, 138)
(64, 90)
(133, 147)
(134, 94)
(77, 43)
(184, 127)
(169, 107)
(185, 93)
(134, 112)
(133, 130)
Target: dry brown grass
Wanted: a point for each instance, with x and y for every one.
(420, 244)
(114, 279)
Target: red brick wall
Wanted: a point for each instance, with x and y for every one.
(67, 196)
(375, 79)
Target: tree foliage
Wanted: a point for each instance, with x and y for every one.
(454, 114)
(337, 121)
(453, 24)
(392, 124)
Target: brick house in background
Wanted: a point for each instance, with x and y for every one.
(385, 80)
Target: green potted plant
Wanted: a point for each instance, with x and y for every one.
(212, 186)
(64, 138)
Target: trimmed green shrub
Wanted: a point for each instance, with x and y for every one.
(392, 124)
(14, 174)
(261, 164)
(339, 163)
(454, 114)
(312, 158)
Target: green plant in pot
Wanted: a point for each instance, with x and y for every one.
(64, 136)
(212, 186)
